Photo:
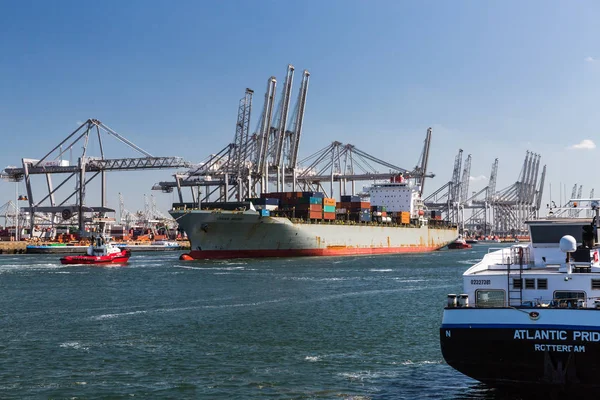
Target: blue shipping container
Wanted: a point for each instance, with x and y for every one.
(349, 199)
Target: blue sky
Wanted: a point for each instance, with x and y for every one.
(493, 78)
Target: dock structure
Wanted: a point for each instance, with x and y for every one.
(60, 205)
(267, 160)
(491, 212)
(263, 161)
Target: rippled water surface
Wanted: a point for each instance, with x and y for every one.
(304, 328)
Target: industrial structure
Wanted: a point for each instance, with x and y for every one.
(267, 160)
(259, 161)
(70, 206)
(491, 212)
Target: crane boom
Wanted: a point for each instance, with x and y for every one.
(265, 128)
(283, 114)
(296, 130)
(464, 184)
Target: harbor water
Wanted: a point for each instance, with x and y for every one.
(303, 328)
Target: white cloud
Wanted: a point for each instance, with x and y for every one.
(591, 59)
(585, 144)
(477, 178)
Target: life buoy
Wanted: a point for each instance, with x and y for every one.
(66, 213)
(596, 256)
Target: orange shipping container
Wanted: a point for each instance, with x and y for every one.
(405, 217)
(328, 202)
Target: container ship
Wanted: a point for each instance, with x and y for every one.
(291, 224)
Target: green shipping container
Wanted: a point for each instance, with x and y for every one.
(328, 208)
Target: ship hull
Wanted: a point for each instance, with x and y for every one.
(524, 348)
(117, 258)
(215, 234)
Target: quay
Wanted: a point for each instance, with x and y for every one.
(20, 247)
(13, 247)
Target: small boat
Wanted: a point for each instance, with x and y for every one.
(490, 240)
(472, 241)
(166, 243)
(459, 243)
(529, 314)
(100, 251)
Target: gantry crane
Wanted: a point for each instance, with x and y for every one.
(245, 167)
(87, 168)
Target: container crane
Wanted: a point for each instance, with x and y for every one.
(295, 131)
(421, 168)
(281, 124)
(261, 161)
(87, 169)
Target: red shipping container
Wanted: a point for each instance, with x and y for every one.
(315, 214)
(329, 215)
(309, 207)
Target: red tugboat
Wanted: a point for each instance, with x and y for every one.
(99, 252)
(459, 244)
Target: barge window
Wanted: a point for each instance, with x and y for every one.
(490, 298)
(529, 283)
(595, 284)
(568, 299)
(517, 283)
(552, 233)
(542, 283)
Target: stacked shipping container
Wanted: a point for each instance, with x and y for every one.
(307, 205)
(315, 206)
(352, 209)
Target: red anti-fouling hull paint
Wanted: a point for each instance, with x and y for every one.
(224, 254)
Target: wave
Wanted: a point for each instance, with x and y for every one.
(419, 363)
(188, 308)
(469, 262)
(368, 375)
(209, 268)
(312, 358)
(73, 345)
(315, 279)
(109, 316)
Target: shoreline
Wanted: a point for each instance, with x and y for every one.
(20, 247)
